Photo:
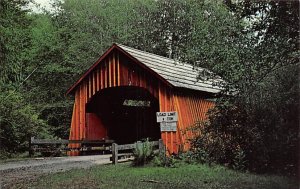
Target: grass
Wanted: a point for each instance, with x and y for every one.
(16, 157)
(185, 176)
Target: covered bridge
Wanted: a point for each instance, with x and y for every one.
(118, 96)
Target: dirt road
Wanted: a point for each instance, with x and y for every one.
(16, 173)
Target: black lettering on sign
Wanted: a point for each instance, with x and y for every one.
(161, 114)
(171, 113)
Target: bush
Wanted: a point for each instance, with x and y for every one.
(143, 153)
(162, 160)
(187, 157)
(248, 139)
(19, 122)
(239, 161)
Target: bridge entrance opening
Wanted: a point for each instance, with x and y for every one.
(124, 114)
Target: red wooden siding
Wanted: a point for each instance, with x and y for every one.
(191, 107)
(95, 129)
(115, 70)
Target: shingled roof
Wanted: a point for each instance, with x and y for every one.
(176, 73)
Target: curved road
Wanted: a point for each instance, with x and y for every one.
(29, 170)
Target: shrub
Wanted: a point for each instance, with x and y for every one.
(237, 138)
(239, 161)
(187, 157)
(143, 153)
(162, 160)
(19, 121)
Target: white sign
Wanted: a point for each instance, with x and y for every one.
(168, 126)
(166, 116)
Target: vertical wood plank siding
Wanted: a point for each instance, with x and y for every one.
(117, 70)
(191, 108)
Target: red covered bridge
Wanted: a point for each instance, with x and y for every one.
(118, 97)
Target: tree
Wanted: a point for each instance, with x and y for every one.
(14, 41)
(259, 119)
(18, 120)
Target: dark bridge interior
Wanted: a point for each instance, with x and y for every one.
(127, 113)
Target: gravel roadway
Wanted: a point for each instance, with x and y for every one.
(26, 171)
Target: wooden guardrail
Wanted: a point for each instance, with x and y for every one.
(115, 148)
(48, 145)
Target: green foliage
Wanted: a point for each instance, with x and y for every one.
(255, 123)
(176, 160)
(239, 162)
(14, 41)
(143, 153)
(162, 160)
(18, 123)
(18, 119)
(265, 131)
(200, 155)
(187, 157)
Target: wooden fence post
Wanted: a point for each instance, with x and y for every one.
(114, 149)
(161, 147)
(139, 145)
(162, 150)
(30, 151)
